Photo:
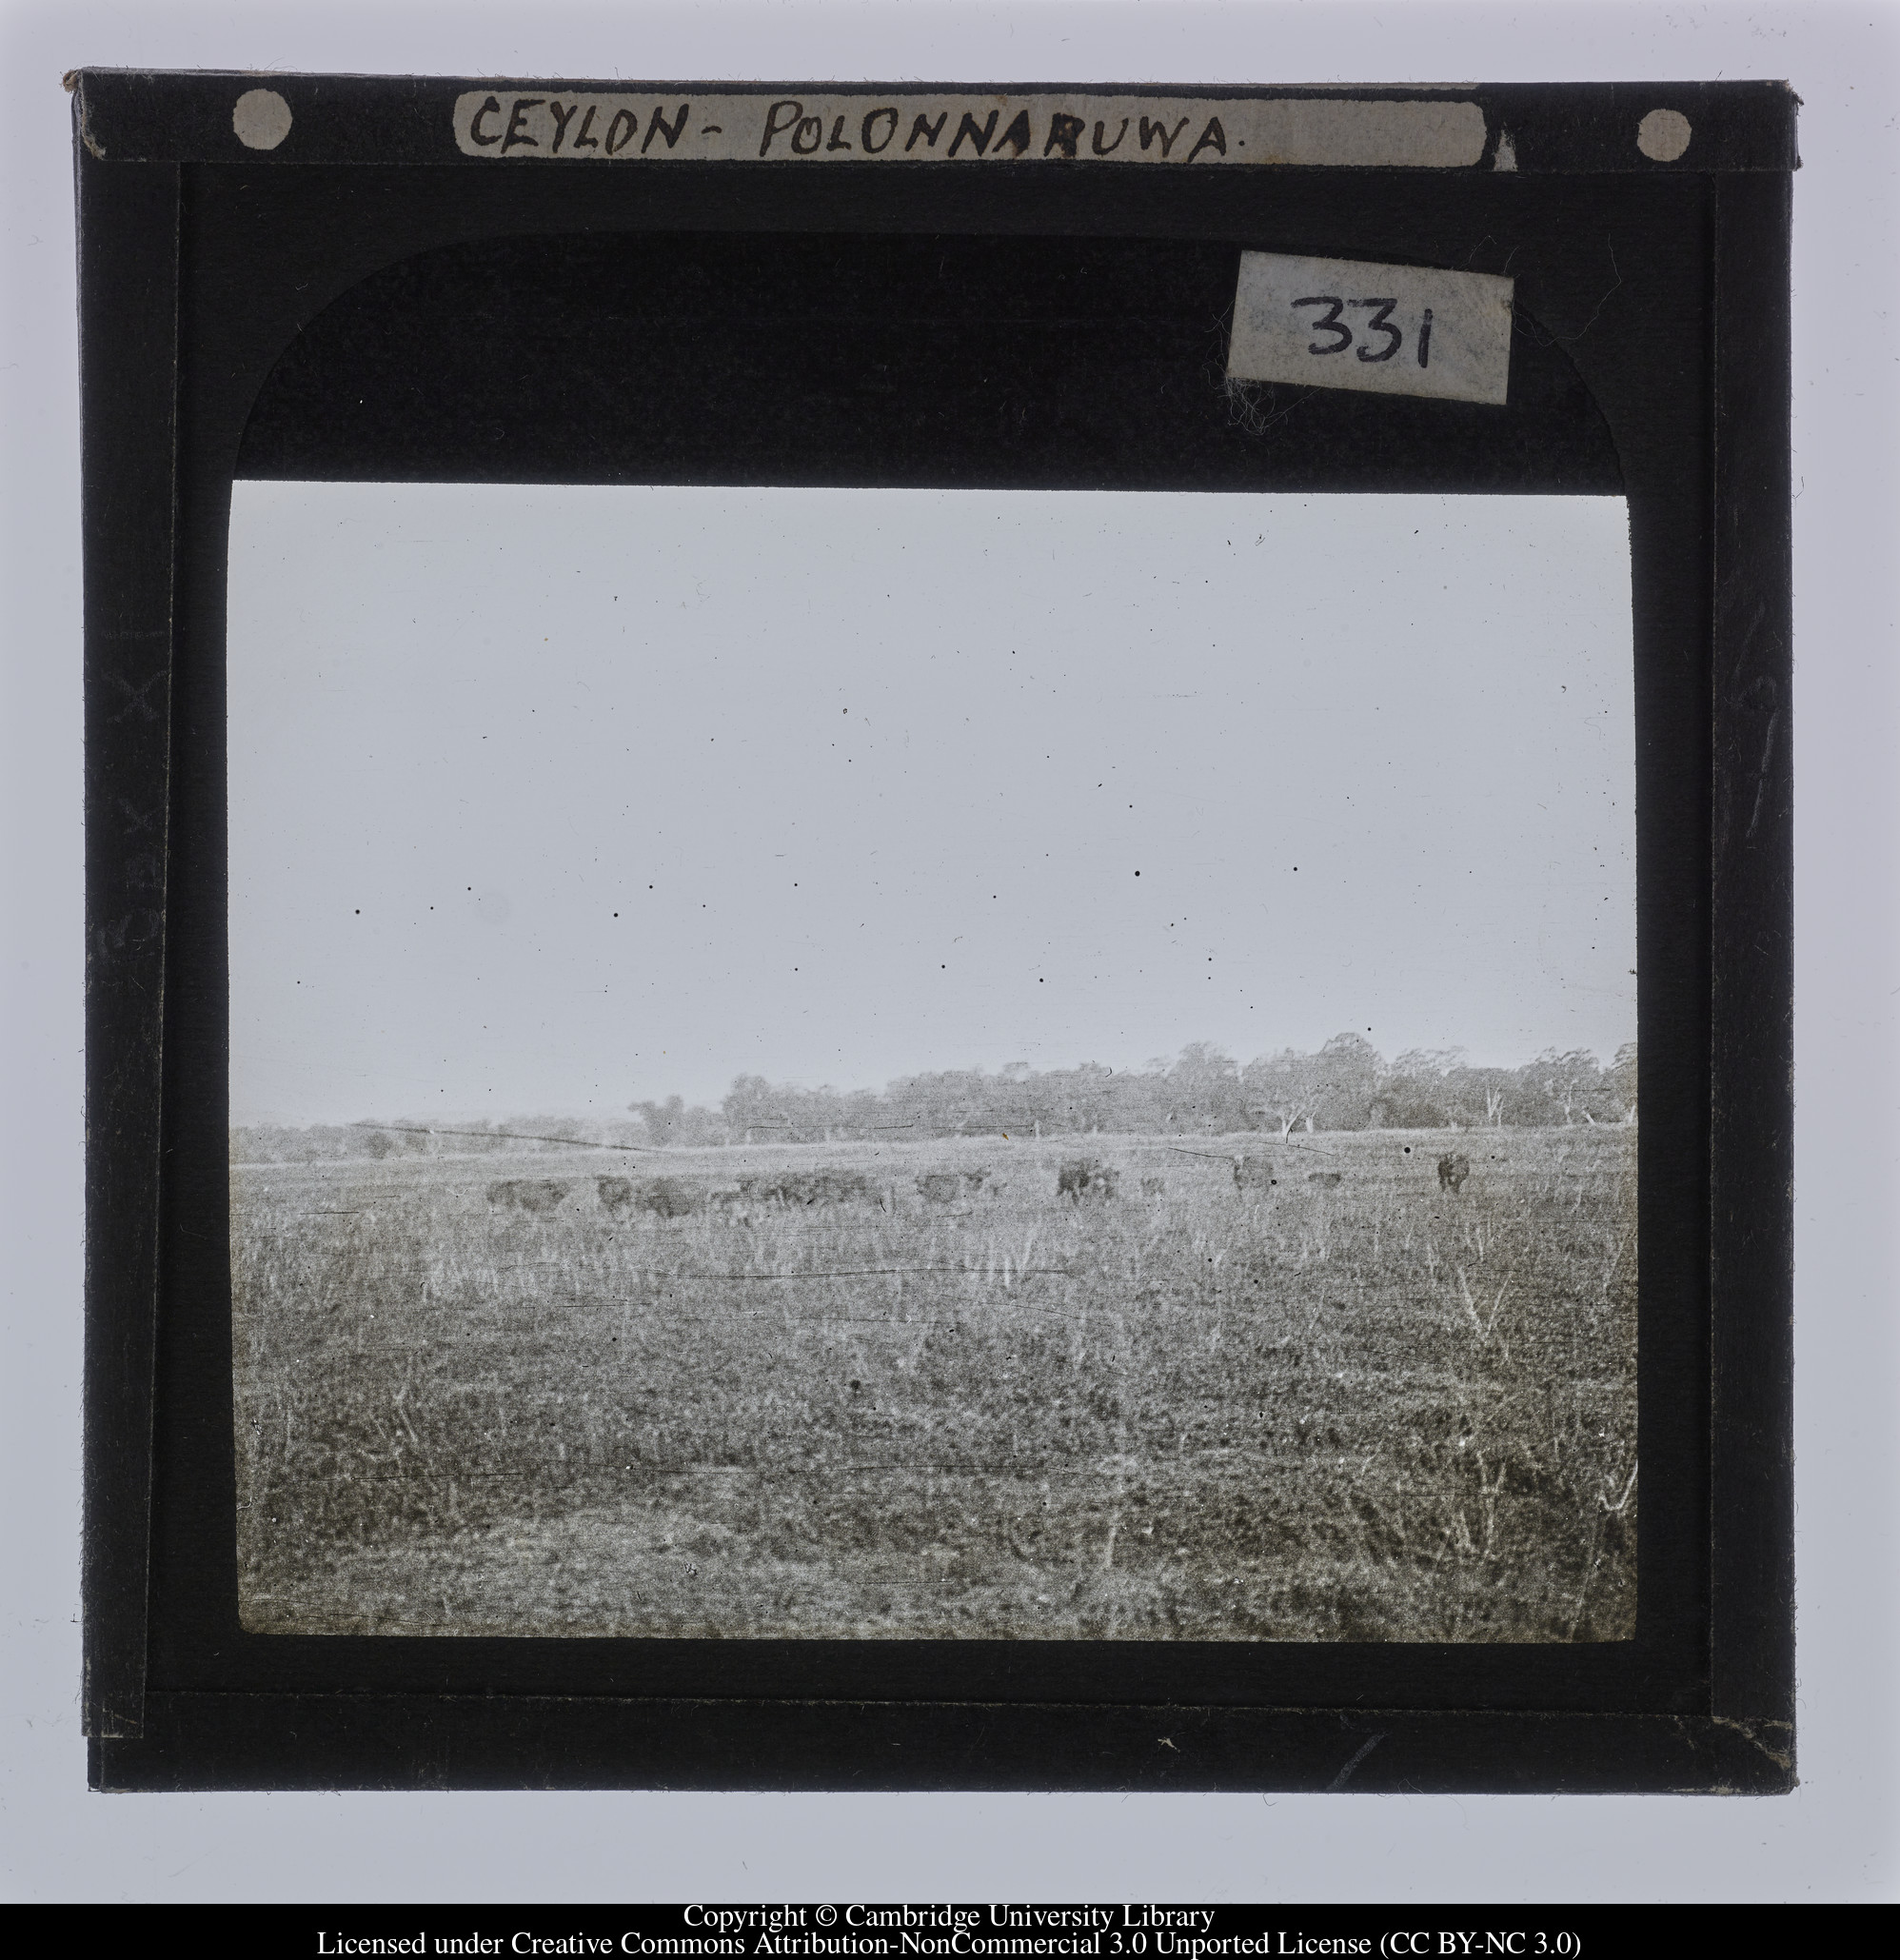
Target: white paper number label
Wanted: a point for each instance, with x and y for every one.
(1389, 329)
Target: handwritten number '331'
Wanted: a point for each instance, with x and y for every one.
(1330, 322)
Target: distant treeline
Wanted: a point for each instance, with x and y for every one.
(1346, 1085)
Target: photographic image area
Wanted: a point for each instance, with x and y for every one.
(932, 1064)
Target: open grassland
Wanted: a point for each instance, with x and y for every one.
(856, 1391)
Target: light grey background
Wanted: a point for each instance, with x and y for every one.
(1836, 1839)
(545, 797)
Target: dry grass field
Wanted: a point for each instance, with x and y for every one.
(858, 1390)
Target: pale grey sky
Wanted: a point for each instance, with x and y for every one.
(544, 799)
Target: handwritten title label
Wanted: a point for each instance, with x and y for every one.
(535, 122)
(1390, 330)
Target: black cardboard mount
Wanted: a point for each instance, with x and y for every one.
(369, 304)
